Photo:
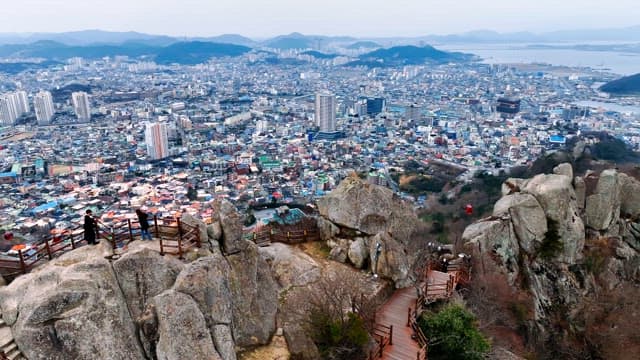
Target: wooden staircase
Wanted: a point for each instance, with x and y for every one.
(8, 347)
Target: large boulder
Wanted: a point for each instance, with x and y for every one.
(182, 329)
(214, 232)
(300, 345)
(231, 222)
(603, 207)
(193, 221)
(72, 308)
(327, 229)
(389, 259)
(527, 217)
(142, 274)
(290, 267)
(629, 196)
(495, 237)
(557, 197)
(255, 297)
(358, 252)
(206, 280)
(370, 209)
(564, 169)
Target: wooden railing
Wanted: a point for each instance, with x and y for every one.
(383, 336)
(268, 235)
(412, 321)
(51, 247)
(175, 237)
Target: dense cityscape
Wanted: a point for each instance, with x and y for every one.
(119, 133)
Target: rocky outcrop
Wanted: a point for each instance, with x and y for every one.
(603, 207)
(391, 259)
(536, 237)
(557, 197)
(629, 196)
(369, 209)
(355, 213)
(73, 308)
(527, 217)
(142, 274)
(255, 294)
(206, 281)
(142, 305)
(193, 340)
(231, 223)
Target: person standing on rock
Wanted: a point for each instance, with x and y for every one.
(143, 218)
(90, 228)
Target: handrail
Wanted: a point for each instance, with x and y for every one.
(116, 233)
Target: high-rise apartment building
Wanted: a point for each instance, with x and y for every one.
(12, 106)
(81, 105)
(43, 105)
(326, 112)
(157, 140)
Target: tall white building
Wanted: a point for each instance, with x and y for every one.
(157, 140)
(43, 105)
(326, 111)
(81, 105)
(12, 105)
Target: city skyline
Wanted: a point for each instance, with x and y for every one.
(331, 17)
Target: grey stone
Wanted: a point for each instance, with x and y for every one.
(603, 207)
(72, 308)
(231, 224)
(255, 297)
(391, 262)
(142, 274)
(564, 169)
(289, 266)
(182, 330)
(206, 280)
(358, 253)
(527, 217)
(300, 345)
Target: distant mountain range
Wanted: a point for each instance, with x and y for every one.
(628, 85)
(318, 42)
(93, 44)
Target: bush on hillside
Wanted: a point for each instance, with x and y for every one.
(453, 335)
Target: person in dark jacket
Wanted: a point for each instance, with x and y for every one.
(90, 228)
(143, 218)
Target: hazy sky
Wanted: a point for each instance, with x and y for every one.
(263, 18)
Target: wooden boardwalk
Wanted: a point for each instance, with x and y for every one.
(394, 312)
(405, 306)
